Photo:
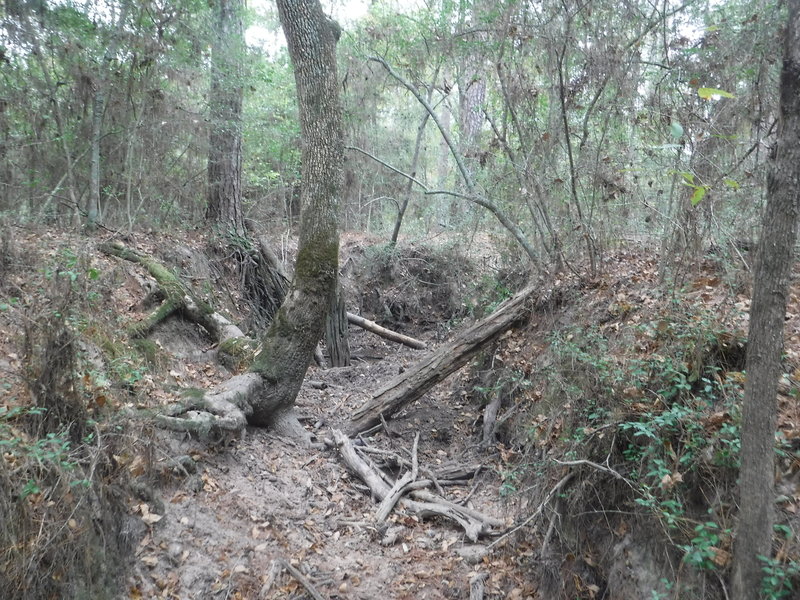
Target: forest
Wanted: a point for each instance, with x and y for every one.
(429, 299)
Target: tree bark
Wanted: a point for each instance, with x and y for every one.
(765, 345)
(93, 208)
(434, 368)
(224, 207)
(336, 338)
(288, 346)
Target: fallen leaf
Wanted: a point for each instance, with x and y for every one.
(151, 518)
(150, 560)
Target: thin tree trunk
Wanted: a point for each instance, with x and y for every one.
(765, 345)
(93, 208)
(401, 211)
(224, 206)
(288, 346)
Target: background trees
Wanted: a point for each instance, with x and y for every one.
(583, 125)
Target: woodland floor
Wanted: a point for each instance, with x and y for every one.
(216, 521)
(262, 498)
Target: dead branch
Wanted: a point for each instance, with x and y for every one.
(373, 327)
(400, 488)
(435, 367)
(302, 579)
(475, 524)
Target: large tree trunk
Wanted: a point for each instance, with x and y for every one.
(224, 207)
(288, 346)
(767, 312)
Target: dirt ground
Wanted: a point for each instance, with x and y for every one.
(261, 500)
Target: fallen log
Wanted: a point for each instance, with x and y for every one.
(373, 327)
(435, 367)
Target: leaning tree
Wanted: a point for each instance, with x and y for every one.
(265, 395)
(288, 346)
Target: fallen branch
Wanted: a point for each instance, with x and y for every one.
(426, 504)
(302, 579)
(373, 327)
(401, 487)
(435, 367)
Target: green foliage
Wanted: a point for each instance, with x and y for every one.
(664, 386)
(779, 578)
(701, 553)
(709, 93)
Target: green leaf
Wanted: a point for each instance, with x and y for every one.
(709, 93)
(676, 129)
(732, 183)
(699, 192)
(93, 273)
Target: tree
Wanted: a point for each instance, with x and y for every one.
(767, 312)
(288, 345)
(224, 208)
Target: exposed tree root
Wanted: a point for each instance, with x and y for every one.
(220, 412)
(215, 414)
(177, 299)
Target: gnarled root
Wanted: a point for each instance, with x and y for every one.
(217, 414)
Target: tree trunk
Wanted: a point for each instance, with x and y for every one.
(336, 339)
(288, 346)
(93, 208)
(764, 348)
(224, 207)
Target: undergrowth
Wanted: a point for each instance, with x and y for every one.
(647, 413)
(62, 492)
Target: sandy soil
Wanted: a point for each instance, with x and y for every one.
(261, 500)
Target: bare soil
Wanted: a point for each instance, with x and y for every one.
(262, 499)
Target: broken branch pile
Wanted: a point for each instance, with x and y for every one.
(409, 493)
